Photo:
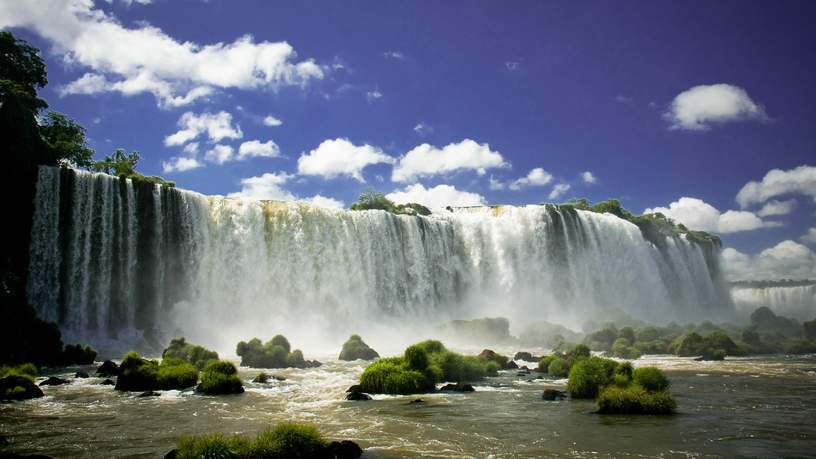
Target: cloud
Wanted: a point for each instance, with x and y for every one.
(217, 126)
(272, 121)
(810, 236)
(144, 59)
(511, 65)
(437, 197)
(623, 99)
(191, 148)
(325, 202)
(265, 187)
(427, 160)
(698, 215)
(180, 164)
(786, 260)
(772, 208)
(697, 108)
(536, 177)
(423, 129)
(253, 148)
(777, 182)
(372, 96)
(340, 157)
(496, 184)
(588, 177)
(397, 55)
(558, 190)
(219, 154)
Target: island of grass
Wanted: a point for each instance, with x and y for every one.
(421, 367)
(139, 374)
(197, 355)
(356, 349)
(17, 382)
(275, 353)
(220, 378)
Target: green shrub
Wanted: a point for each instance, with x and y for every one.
(406, 382)
(191, 353)
(275, 353)
(373, 378)
(280, 340)
(625, 369)
(431, 346)
(634, 400)
(544, 363)
(687, 345)
(416, 358)
(215, 446)
(176, 374)
(356, 349)
(580, 351)
(651, 379)
(220, 377)
(137, 374)
(491, 356)
(588, 376)
(26, 370)
(295, 359)
(76, 354)
(558, 368)
(289, 440)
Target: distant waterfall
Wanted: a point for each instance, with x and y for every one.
(112, 259)
(796, 301)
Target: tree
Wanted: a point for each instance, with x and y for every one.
(118, 164)
(67, 140)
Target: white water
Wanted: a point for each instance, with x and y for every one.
(112, 260)
(798, 302)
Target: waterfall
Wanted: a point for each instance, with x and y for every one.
(113, 261)
(795, 301)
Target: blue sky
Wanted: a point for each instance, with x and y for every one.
(657, 100)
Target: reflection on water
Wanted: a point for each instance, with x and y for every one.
(760, 407)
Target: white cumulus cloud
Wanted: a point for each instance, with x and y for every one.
(219, 154)
(437, 197)
(180, 164)
(588, 177)
(271, 121)
(810, 236)
(144, 59)
(427, 160)
(558, 190)
(340, 157)
(217, 126)
(777, 182)
(252, 148)
(536, 177)
(423, 129)
(699, 215)
(268, 186)
(786, 260)
(325, 202)
(701, 106)
(772, 208)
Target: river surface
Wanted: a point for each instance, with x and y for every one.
(747, 407)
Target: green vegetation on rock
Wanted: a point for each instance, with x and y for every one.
(197, 355)
(356, 349)
(634, 399)
(588, 375)
(76, 354)
(372, 200)
(220, 377)
(139, 374)
(275, 353)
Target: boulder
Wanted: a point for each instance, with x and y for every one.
(355, 388)
(108, 369)
(81, 374)
(511, 365)
(172, 454)
(149, 393)
(54, 381)
(345, 449)
(458, 387)
(416, 402)
(526, 356)
(262, 378)
(108, 382)
(358, 396)
(18, 388)
(553, 394)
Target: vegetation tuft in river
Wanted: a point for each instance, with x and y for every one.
(197, 355)
(356, 349)
(76, 354)
(220, 377)
(372, 200)
(272, 354)
(139, 374)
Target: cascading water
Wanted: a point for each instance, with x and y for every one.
(795, 301)
(113, 260)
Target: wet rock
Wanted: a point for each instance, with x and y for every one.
(358, 396)
(81, 374)
(108, 382)
(278, 378)
(311, 364)
(171, 454)
(525, 368)
(416, 402)
(526, 356)
(107, 369)
(262, 378)
(355, 388)
(54, 381)
(511, 365)
(553, 394)
(458, 387)
(345, 449)
(18, 388)
(149, 393)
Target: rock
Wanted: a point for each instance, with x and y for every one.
(458, 387)
(358, 396)
(18, 388)
(526, 356)
(81, 374)
(525, 368)
(355, 388)
(149, 393)
(54, 381)
(107, 369)
(262, 378)
(311, 364)
(553, 394)
(511, 365)
(108, 382)
(416, 402)
(523, 373)
(278, 378)
(171, 454)
(345, 449)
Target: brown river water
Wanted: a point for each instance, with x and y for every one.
(743, 407)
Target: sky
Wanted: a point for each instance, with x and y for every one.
(701, 110)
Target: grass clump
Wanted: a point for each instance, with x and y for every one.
(286, 440)
(634, 399)
(176, 374)
(275, 353)
(588, 376)
(651, 379)
(77, 354)
(220, 377)
(137, 374)
(197, 355)
(356, 349)
(25, 370)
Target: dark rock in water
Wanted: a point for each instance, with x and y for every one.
(358, 396)
(525, 368)
(553, 394)
(526, 356)
(355, 388)
(262, 378)
(149, 393)
(171, 454)
(417, 401)
(81, 374)
(108, 382)
(226, 390)
(523, 373)
(356, 349)
(278, 378)
(54, 381)
(18, 388)
(345, 449)
(107, 369)
(458, 387)
(511, 365)
(311, 364)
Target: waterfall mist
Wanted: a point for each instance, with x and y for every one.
(122, 264)
(795, 301)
